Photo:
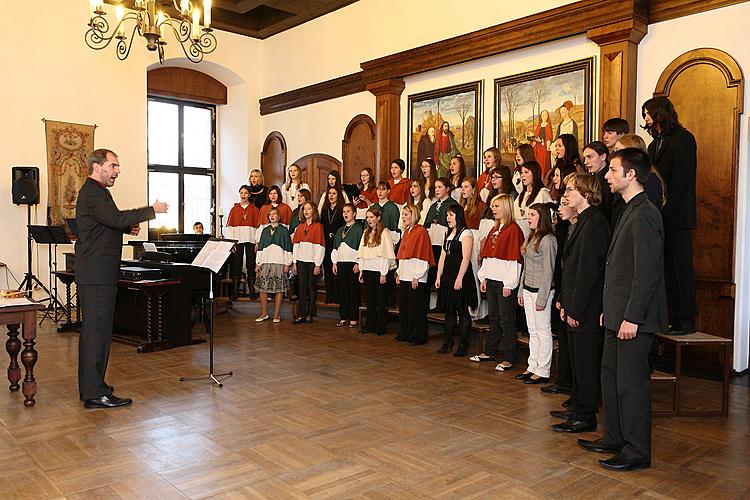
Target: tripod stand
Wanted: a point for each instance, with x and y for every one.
(52, 236)
(30, 279)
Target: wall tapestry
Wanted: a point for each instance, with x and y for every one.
(538, 106)
(68, 145)
(443, 123)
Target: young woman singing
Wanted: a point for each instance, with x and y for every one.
(273, 258)
(345, 268)
(307, 255)
(376, 258)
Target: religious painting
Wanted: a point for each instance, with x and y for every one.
(537, 107)
(68, 146)
(444, 123)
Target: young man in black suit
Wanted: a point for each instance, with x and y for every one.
(98, 249)
(634, 308)
(581, 298)
(673, 154)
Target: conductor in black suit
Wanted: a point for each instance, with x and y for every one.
(635, 307)
(98, 249)
(673, 154)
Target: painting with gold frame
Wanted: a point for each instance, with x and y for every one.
(443, 123)
(537, 106)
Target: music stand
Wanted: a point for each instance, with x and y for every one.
(47, 235)
(212, 256)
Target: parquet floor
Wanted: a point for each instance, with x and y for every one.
(317, 412)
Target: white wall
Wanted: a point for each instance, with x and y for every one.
(723, 29)
(59, 78)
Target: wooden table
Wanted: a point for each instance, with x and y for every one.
(14, 317)
(697, 339)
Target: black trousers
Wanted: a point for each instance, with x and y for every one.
(347, 283)
(585, 350)
(245, 254)
(412, 312)
(455, 315)
(98, 308)
(376, 317)
(306, 278)
(502, 313)
(626, 393)
(564, 370)
(680, 276)
(331, 283)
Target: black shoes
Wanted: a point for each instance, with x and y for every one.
(555, 389)
(308, 319)
(565, 415)
(622, 462)
(523, 376)
(535, 381)
(574, 427)
(461, 351)
(298, 321)
(598, 446)
(108, 401)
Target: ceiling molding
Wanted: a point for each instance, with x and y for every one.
(331, 89)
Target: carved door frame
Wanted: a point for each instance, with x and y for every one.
(278, 136)
(360, 119)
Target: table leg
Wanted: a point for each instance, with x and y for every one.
(29, 357)
(13, 346)
(725, 382)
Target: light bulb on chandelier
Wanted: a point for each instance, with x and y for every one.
(195, 40)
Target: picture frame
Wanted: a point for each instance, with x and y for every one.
(460, 106)
(565, 93)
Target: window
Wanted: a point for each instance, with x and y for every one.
(181, 163)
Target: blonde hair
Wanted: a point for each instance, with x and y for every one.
(506, 204)
(260, 176)
(288, 183)
(415, 214)
(633, 141)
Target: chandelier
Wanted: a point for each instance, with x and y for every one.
(195, 39)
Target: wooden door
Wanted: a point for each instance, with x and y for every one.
(358, 148)
(315, 168)
(273, 159)
(713, 116)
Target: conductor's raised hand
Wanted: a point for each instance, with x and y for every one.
(135, 229)
(160, 207)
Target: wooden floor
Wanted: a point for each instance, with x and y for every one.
(315, 411)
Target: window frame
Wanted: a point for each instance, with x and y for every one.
(181, 169)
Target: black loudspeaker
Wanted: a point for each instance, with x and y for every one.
(25, 185)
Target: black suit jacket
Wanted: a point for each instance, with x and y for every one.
(674, 157)
(100, 228)
(634, 287)
(606, 205)
(583, 269)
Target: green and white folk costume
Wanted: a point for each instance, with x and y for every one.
(274, 252)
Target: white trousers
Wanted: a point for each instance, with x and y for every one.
(540, 334)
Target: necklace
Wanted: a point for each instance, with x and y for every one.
(346, 230)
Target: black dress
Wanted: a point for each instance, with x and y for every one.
(457, 302)
(332, 220)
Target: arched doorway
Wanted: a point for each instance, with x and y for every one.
(315, 168)
(358, 148)
(273, 159)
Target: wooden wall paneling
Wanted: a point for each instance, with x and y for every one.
(273, 159)
(618, 68)
(323, 91)
(664, 10)
(358, 148)
(183, 83)
(387, 123)
(713, 116)
(315, 168)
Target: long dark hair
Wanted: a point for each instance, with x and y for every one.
(555, 193)
(527, 153)
(544, 227)
(432, 178)
(462, 171)
(536, 183)
(277, 189)
(339, 208)
(370, 184)
(458, 211)
(571, 157)
(337, 185)
(662, 113)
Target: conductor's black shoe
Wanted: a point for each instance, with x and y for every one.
(622, 462)
(555, 389)
(598, 446)
(110, 401)
(298, 321)
(574, 427)
(308, 319)
(565, 415)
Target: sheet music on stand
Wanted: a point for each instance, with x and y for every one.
(214, 253)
